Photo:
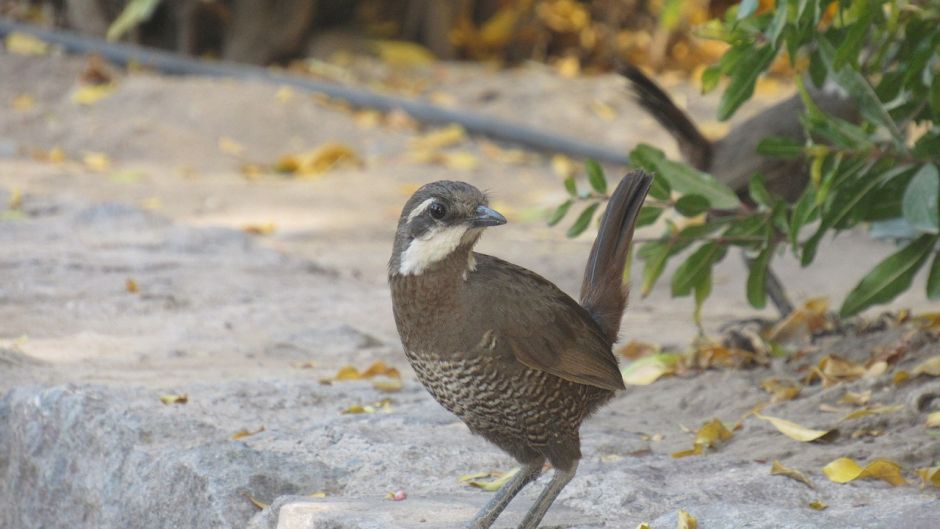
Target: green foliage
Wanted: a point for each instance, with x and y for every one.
(874, 171)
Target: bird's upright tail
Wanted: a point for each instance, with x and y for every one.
(694, 146)
(603, 292)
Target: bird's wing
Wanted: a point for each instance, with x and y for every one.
(541, 326)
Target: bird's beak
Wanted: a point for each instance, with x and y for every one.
(485, 216)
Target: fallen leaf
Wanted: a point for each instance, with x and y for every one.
(804, 321)
(402, 53)
(19, 43)
(91, 94)
(931, 367)
(367, 119)
(309, 364)
(252, 171)
(358, 408)
(284, 94)
(16, 199)
(563, 166)
(489, 481)
(260, 505)
(390, 385)
(929, 476)
(636, 349)
(318, 494)
(685, 520)
(398, 495)
(708, 436)
(241, 434)
(131, 286)
(563, 16)
(844, 469)
(649, 369)
(900, 376)
(643, 525)
(380, 368)
(127, 176)
(96, 161)
(933, 420)
(781, 389)
(440, 138)
(260, 229)
(872, 410)
(858, 399)
(182, 398)
(777, 469)
(324, 158)
(231, 147)
(794, 430)
(818, 505)
(23, 102)
(568, 66)
(53, 155)
(603, 110)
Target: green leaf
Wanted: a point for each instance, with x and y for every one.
(758, 190)
(801, 214)
(703, 289)
(692, 205)
(583, 220)
(890, 277)
(683, 178)
(780, 147)
(648, 215)
(691, 272)
(654, 265)
(757, 279)
(851, 42)
(933, 279)
(596, 176)
(571, 187)
(934, 96)
(135, 13)
(743, 78)
(920, 205)
(746, 8)
(710, 78)
(560, 212)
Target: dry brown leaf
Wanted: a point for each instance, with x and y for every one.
(781, 389)
(241, 434)
(439, 138)
(858, 399)
(380, 368)
(777, 469)
(844, 469)
(266, 228)
(931, 367)
(330, 155)
(636, 349)
(872, 410)
(709, 435)
(900, 376)
(929, 476)
(131, 286)
(563, 16)
(933, 420)
(802, 322)
(19, 43)
(182, 398)
(260, 505)
(794, 430)
(489, 481)
(685, 520)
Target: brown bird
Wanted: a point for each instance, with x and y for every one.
(514, 357)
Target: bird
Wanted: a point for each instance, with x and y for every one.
(518, 360)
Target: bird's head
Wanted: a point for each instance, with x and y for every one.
(437, 220)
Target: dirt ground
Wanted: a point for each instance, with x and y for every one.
(210, 303)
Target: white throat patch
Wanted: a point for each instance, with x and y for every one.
(436, 244)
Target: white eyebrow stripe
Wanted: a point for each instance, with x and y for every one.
(419, 209)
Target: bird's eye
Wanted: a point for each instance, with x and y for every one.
(437, 210)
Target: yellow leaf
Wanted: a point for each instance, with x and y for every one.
(563, 16)
(708, 436)
(818, 505)
(929, 476)
(260, 505)
(499, 28)
(379, 368)
(19, 43)
(568, 66)
(348, 373)
(402, 53)
(320, 160)
(459, 161)
(803, 321)
(858, 399)
(685, 520)
(931, 367)
(175, 399)
(844, 469)
(231, 147)
(603, 110)
(96, 161)
(358, 408)
(318, 494)
(900, 376)
(643, 525)
(284, 94)
(260, 229)
(16, 199)
(440, 138)
(367, 119)
(131, 286)
(649, 369)
(780, 390)
(389, 386)
(241, 434)
(91, 94)
(933, 420)
(777, 469)
(792, 429)
(251, 171)
(563, 166)
(499, 479)
(696, 450)
(872, 410)
(23, 102)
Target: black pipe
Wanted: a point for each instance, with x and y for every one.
(174, 64)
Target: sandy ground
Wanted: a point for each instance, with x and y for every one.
(215, 304)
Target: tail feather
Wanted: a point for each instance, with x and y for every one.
(603, 292)
(695, 147)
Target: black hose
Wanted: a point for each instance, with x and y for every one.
(174, 64)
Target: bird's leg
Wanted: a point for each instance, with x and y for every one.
(559, 479)
(488, 514)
